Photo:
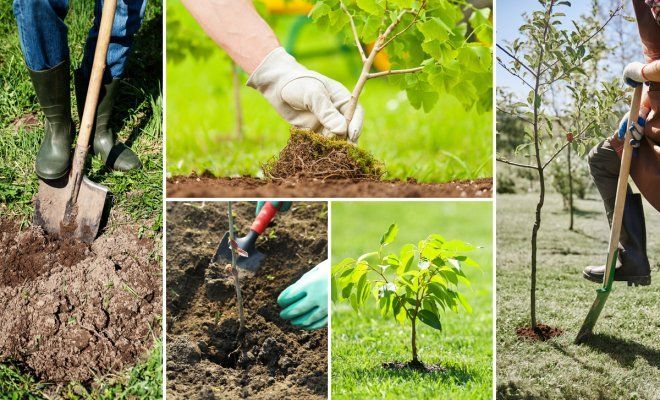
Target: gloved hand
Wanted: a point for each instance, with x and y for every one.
(281, 206)
(306, 99)
(637, 130)
(633, 74)
(305, 302)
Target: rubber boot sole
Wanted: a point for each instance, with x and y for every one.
(52, 177)
(632, 280)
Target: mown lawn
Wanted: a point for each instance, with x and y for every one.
(136, 196)
(362, 342)
(447, 143)
(622, 360)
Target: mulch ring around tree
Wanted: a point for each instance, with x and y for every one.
(415, 366)
(541, 333)
(71, 311)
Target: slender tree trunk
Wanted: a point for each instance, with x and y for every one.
(570, 187)
(415, 359)
(234, 268)
(238, 122)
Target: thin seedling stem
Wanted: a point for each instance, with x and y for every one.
(234, 269)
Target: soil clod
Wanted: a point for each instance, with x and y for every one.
(310, 155)
(542, 332)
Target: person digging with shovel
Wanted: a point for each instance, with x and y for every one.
(604, 159)
(44, 43)
(304, 98)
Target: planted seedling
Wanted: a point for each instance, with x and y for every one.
(234, 254)
(417, 284)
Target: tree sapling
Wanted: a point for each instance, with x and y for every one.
(414, 285)
(235, 250)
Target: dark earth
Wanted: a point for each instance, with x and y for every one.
(70, 311)
(415, 366)
(207, 356)
(542, 332)
(208, 186)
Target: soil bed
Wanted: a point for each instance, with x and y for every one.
(542, 332)
(207, 359)
(205, 186)
(70, 311)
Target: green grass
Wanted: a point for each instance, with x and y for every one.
(622, 359)
(137, 120)
(448, 143)
(362, 342)
(136, 196)
(143, 381)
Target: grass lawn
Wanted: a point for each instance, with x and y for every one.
(622, 360)
(448, 143)
(136, 196)
(362, 342)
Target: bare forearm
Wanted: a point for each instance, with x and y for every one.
(651, 71)
(235, 26)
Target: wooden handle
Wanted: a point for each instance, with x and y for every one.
(92, 98)
(622, 184)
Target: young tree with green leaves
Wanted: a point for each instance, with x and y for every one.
(428, 44)
(416, 284)
(546, 55)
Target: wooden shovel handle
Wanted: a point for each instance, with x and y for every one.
(92, 98)
(622, 185)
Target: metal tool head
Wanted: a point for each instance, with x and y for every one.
(250, 263)
(58, 215)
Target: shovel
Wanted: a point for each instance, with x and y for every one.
(249, 257)
(72, 206)
(620, 200)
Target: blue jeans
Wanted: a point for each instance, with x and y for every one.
(43, 34)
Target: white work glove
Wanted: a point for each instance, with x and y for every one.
(633, 74)
(304, 98)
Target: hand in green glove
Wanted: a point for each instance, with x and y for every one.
(281, 206)
(305, 302)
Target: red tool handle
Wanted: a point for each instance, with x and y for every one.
(266, 214)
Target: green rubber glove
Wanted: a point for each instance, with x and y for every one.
(305, 302)
(281, 206)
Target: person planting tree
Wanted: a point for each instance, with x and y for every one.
(304, 303)
(43, 38)
(304, 98)
(604, 159)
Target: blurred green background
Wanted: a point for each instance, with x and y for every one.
(447, 143)
(362, 342)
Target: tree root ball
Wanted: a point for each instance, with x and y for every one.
(310, 155)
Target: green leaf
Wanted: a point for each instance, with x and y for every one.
(430, 319)
(390, 235)
(435, 29)
(370, 6)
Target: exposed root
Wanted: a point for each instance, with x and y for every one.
(310, 155)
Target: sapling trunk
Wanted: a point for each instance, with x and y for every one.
(415, 359)
(570, 187)
(238, 121)
(234, 269)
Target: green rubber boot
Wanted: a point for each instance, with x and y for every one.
(53, 91)
(115, 154)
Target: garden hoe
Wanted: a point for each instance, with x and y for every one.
(249, 257)
(603, 292)
(73, 205)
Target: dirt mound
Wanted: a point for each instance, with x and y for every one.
(542, 332)
(207, 358)
(205, 186)
(416, 366)
(70, 311)
(310, 155)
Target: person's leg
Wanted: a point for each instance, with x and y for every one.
(127, 21)
(633, 265)
(43, 37)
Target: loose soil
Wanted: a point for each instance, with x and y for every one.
(208, 186)
(207, 358)
(71, 311)
(416, 366)
(541, 333)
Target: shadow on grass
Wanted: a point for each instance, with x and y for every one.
(451, 374)
(623, 351)
(515, 391)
